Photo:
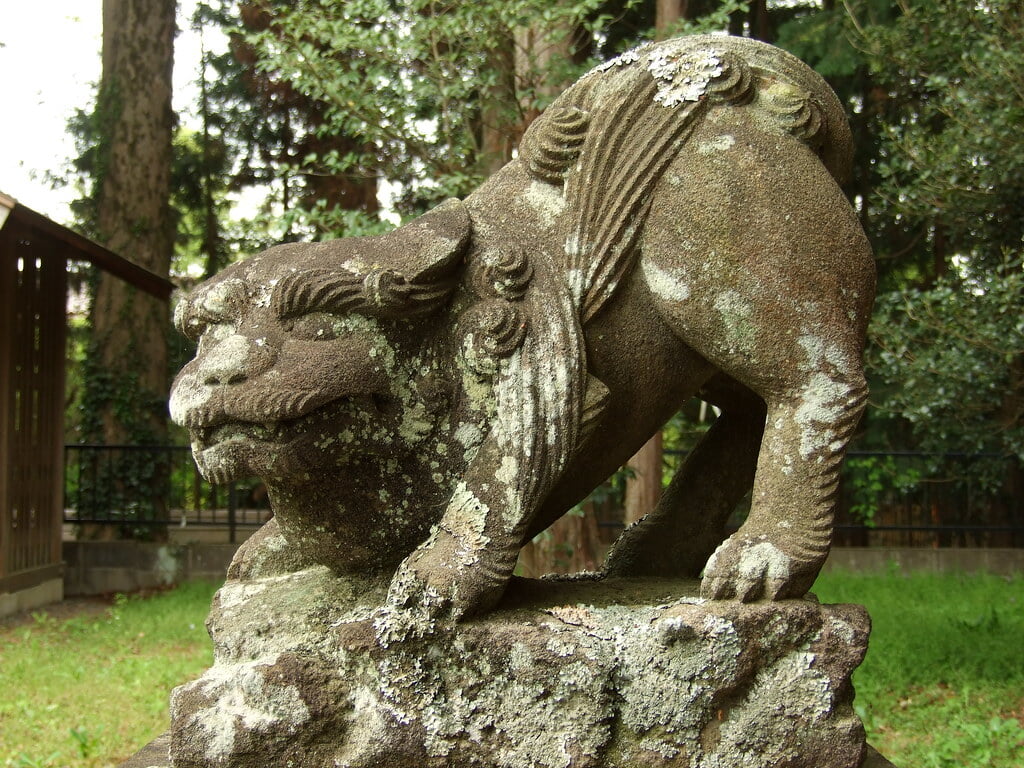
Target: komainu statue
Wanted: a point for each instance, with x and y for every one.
(426, 401)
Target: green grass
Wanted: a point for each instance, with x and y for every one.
(942, 684)
(943, 681)
(91, 690)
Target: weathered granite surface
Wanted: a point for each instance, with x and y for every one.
(422, 403)
(428, 400)
(155, 755)
(620, 672)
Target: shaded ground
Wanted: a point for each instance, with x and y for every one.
(69, 608)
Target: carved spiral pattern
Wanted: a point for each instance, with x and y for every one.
(554, 142)
(796, 110)
(510, 276)
(386, 288)
(495, 329)
(734, 84)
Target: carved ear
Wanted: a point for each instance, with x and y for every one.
(430, 249)
(415, 268)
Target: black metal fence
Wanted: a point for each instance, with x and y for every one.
(141, 488)
(910, 499)
(952, 499)
(885, 498)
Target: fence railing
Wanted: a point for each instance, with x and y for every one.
(138, 488)
(905, 498)
(908, 499)
(885, 498)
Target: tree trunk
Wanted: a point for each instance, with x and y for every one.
(760, 22)
(500, 124)
(128, 380)
(133, 212)
(571, 545)
(667, 14)
(643, 489)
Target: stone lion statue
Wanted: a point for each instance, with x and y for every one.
(426, 401)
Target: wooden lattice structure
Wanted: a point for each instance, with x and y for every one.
(34, 253)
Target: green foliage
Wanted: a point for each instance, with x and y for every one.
(123, 486)
(871, 479)
(714, 19)
(950, 360)
(952, 162)
(419, 85)
(91, 130)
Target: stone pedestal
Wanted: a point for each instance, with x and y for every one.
(570, 674)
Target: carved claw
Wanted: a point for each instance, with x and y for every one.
(432, 590)
(414, 609)
(749, 568)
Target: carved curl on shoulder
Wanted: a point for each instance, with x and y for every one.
(553, 143)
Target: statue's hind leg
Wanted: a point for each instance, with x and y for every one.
(815, 393)
(677, 537)
(758, 263)
(778, 552)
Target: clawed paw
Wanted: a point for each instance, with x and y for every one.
(430, 594)
(749, 568)
(417, 606)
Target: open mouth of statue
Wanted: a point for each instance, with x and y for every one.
(228, 450)
(239, 431)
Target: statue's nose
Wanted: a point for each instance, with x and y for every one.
(233, 360)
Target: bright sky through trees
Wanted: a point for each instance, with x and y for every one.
(50, 60)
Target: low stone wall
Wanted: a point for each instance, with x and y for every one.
(1003, 562)
(101, 567)
(49, 591)
(95, 567)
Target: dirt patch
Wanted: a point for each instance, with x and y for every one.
(70, 608)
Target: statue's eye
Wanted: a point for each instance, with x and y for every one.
(316, 326)
(188, 322)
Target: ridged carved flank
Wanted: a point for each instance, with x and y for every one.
(380, 293)
(328, 290)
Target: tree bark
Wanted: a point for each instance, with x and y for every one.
(499, 130)
(126, 373)
(571, 545)
(133, 212)
(667, 14)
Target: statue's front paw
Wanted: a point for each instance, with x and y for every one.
(415, 608)
(429, 593)
(750, 568)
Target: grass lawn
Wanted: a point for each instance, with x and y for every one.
(942, 685)
(943, 682)
(90, 691)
